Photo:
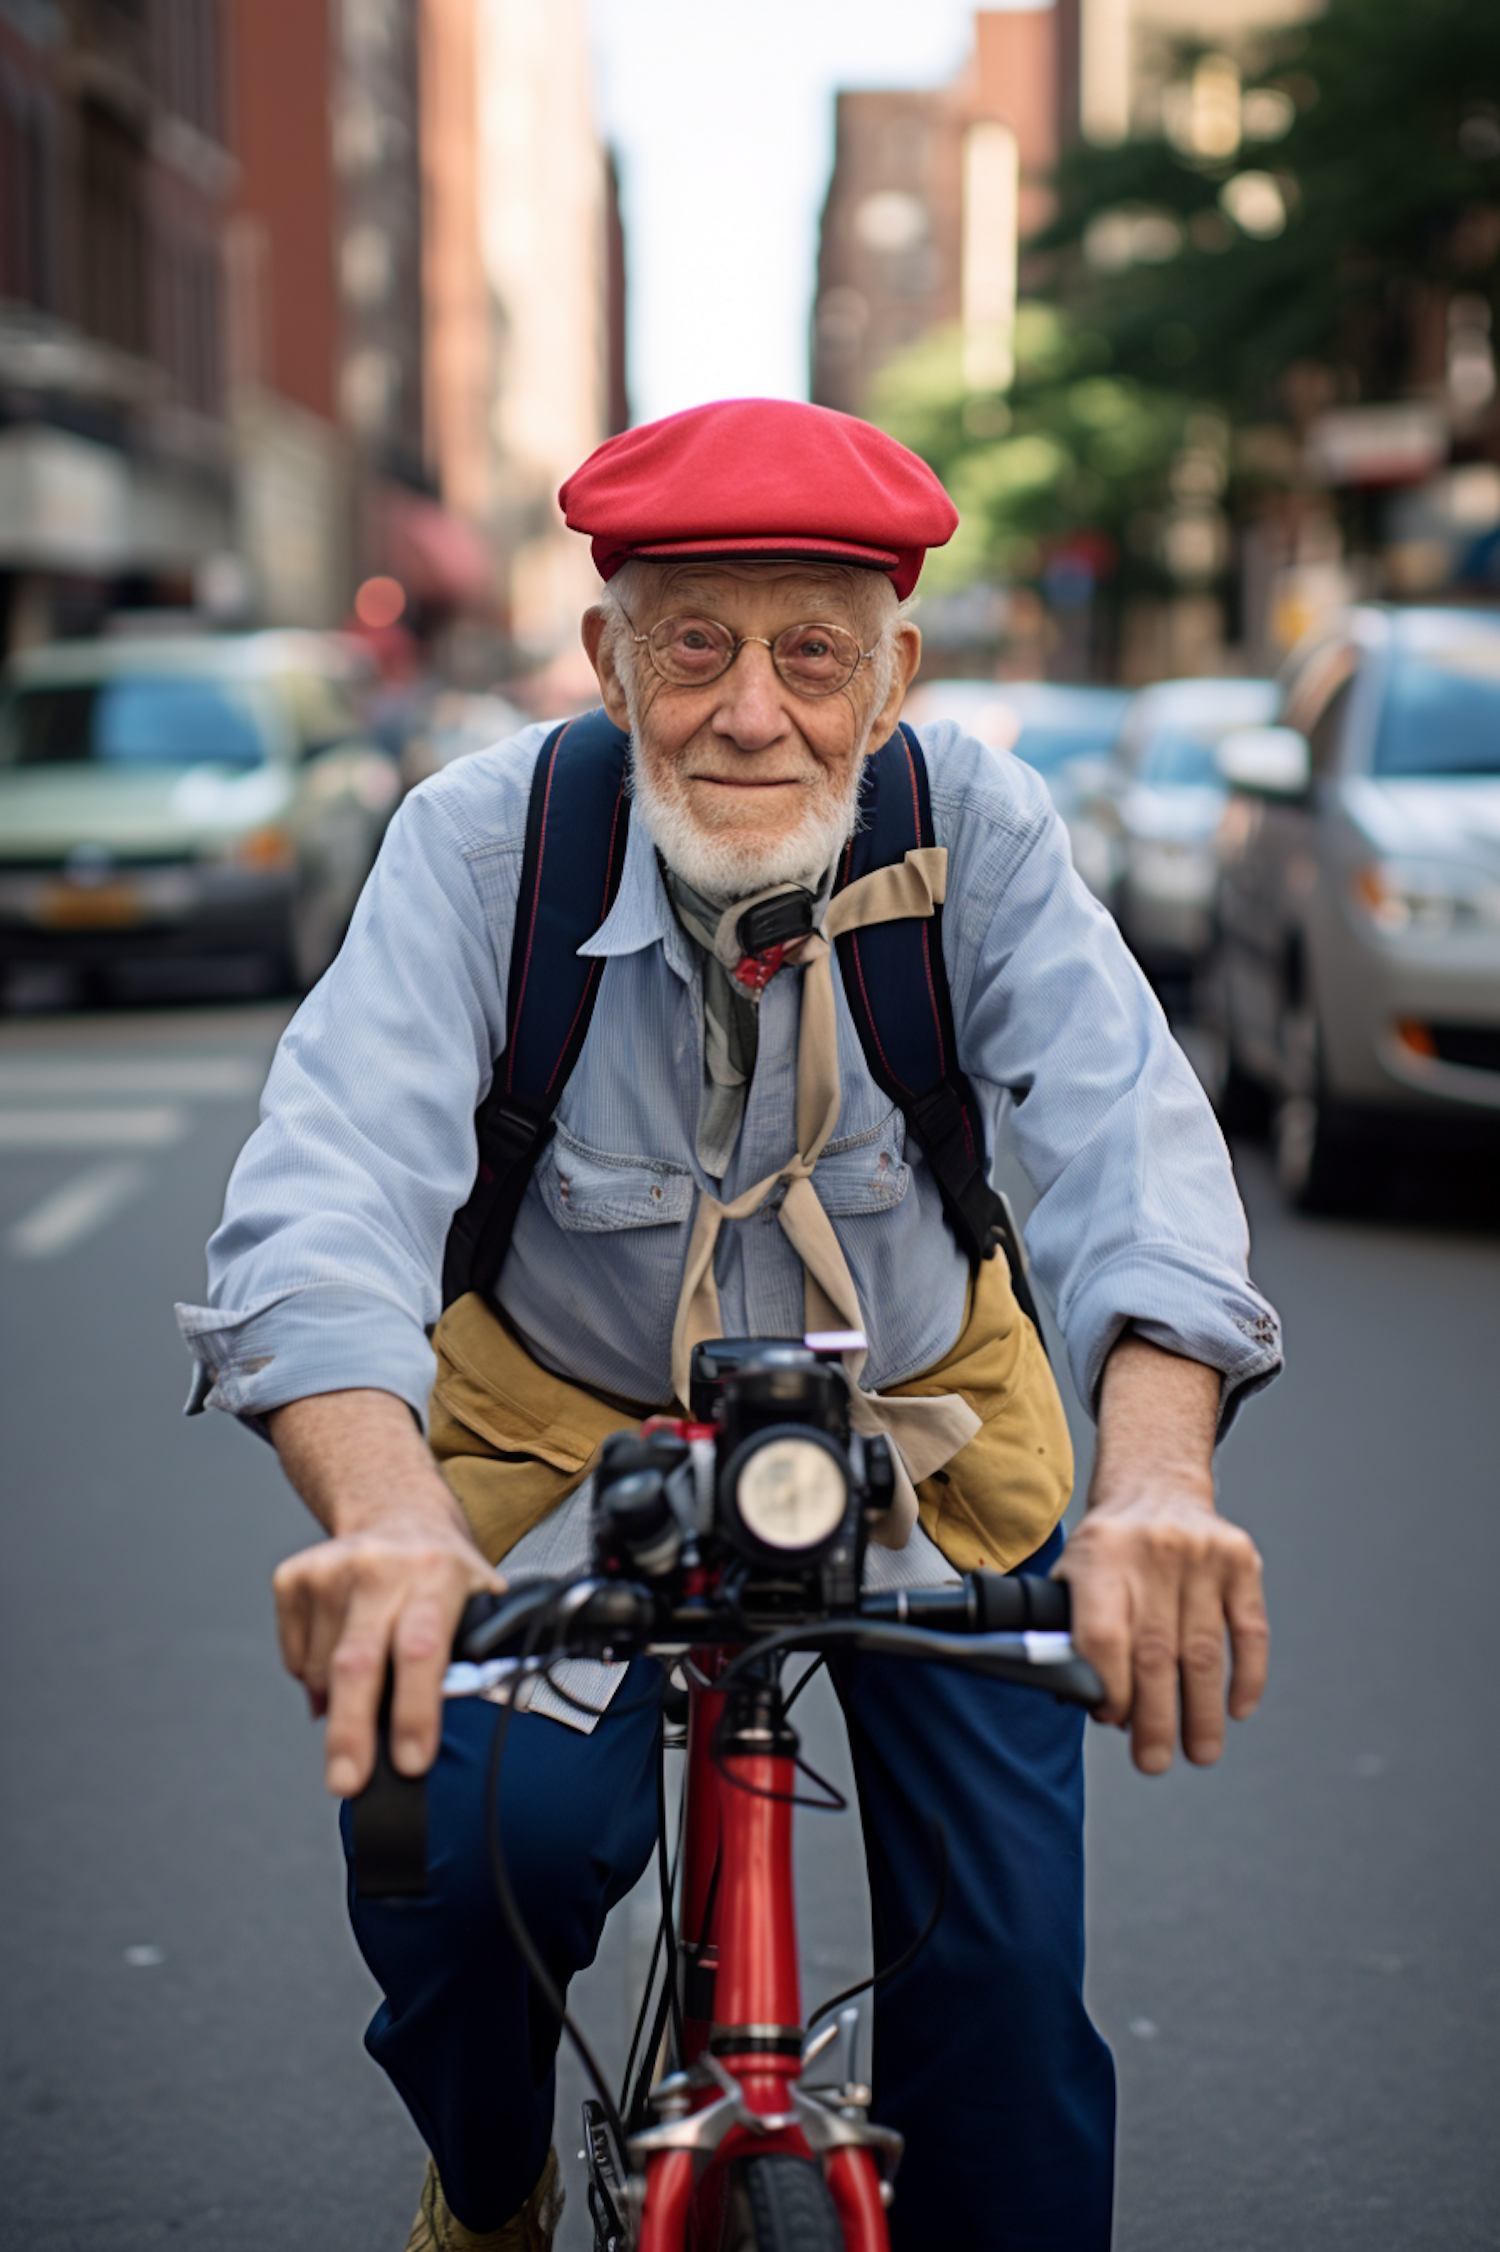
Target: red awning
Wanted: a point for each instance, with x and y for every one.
(438, 557)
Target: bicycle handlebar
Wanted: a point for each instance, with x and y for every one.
(1013, 1628)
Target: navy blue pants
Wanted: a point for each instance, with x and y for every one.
(985, 2058)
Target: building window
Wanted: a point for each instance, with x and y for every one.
(189, 62)
(112, 263)
(203, 371)
(190, 311)
(27, 195)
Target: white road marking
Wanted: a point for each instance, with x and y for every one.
(75, 1210)
(206, 1077)
(91, 1129)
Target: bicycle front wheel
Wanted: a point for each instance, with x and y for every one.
(780, 2204)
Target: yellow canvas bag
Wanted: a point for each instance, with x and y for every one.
(513, 1440)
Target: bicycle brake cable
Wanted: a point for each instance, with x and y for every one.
(627, 2106)
(664, 1873)
(510, 1908)
(908, 1956)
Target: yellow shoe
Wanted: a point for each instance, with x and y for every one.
(530, 2230)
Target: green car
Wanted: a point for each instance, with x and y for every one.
(201, 801)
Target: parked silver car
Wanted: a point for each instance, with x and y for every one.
(1356, 979)
(1143, 836)
(188, 799)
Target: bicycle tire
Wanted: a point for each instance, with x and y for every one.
(780, 2204)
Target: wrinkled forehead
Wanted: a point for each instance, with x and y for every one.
(749, 596)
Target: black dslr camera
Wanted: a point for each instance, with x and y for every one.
(764, 1480)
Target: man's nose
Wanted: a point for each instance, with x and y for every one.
(751, 709)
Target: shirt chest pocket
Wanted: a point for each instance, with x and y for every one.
(864, 1173)
(593, 1192)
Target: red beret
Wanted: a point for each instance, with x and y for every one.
(760, 477)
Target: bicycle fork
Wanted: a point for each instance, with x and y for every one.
(739, 2094)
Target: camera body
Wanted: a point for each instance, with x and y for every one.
(763, 1482)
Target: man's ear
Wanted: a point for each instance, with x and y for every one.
(907, 657)
(600, 645)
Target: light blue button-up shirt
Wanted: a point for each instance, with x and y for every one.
(324, 1274)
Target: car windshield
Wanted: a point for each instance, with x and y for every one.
(1048, 748)
(1182, 758)
(133, 722)
(1442, 711)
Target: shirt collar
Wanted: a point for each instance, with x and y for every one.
(642, 912)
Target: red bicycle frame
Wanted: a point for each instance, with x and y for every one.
(738, 2096)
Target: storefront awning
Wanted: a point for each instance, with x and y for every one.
(439, 558)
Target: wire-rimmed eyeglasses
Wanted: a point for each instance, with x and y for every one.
(814, 659)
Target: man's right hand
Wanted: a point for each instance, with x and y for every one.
(388, 1585)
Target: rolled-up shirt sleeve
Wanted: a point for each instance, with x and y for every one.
(325, 1272)
(1138, 1223)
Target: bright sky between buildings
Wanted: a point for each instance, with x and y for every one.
(723, 120)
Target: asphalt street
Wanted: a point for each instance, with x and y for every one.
(1296, 1956)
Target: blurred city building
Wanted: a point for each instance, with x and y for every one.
(1130, 79)
(294, 529)
(116, 467)
(446, 156)
(553, 262)
(297, 295)
(1133, 284)
(931, 196)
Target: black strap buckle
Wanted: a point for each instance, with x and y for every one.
(775, 922)
(506, 1133)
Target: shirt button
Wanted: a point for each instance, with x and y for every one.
(656, 1192)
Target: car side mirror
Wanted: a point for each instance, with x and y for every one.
(1268, 762)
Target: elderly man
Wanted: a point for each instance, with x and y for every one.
(752, 640)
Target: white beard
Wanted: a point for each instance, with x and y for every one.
(723, 866)
(720, 865)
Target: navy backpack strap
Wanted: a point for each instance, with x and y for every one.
(577, 823)
(896, 985)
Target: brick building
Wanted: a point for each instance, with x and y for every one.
(116, 470)
(932, 194)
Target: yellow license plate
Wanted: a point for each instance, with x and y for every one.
(91, 907)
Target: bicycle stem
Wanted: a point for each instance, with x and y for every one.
(757, 2032)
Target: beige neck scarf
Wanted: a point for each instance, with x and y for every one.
(924, 1433)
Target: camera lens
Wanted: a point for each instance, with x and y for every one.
(791, 1494)
(784, 1493)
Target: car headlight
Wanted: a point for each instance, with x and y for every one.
(788, 1490)
(269, 850)
(1426, 898)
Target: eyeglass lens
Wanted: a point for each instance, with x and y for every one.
(816, 660)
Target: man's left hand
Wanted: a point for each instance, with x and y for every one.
(1158, 1577)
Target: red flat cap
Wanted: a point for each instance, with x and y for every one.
(760, 477)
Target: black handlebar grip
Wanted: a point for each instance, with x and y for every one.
(1006, 1605)
(476, 1613)
(388, 1822)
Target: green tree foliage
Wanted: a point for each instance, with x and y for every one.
(1367, 173)
(1307, 220)
(1071, 447)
